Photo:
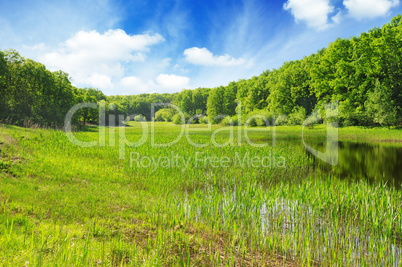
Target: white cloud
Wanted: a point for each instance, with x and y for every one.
(100, 81)
(130, 82)
(40, 46)
(134, 85)
(313, 12)
(337, 18)
(171, 81)
(360, 9)
(51, 22)
(202, 56)
(164, 82)
(95, 59)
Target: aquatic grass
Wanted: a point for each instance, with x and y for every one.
(70, 205)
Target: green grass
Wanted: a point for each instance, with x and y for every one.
(66, 205)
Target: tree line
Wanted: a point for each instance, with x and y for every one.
(362, 74)
(31, 94)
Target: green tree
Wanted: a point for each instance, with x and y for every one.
(381, 107)
(229, 99)
(3, 87)
(186, 104)
(215, 105)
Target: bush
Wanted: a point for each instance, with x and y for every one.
(312, 119)
(196, 119)
(227, 121)
(330, 112)
(252, 122)
(140, 118)
(281, 120)
(204, 120)
(354, 119)
(297, 117)
(177, 119)
(165, 114)
(259, 118)
(158, 116)
(216, 119)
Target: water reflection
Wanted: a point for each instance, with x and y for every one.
(375, 162)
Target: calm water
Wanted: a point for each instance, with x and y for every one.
(374, 162)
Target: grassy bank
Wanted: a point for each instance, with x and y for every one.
(67, 205)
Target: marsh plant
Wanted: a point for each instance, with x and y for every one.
(87, 205)
(330, 114)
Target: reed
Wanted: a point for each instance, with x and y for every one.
(66, 205)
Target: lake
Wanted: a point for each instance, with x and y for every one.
(371, 161)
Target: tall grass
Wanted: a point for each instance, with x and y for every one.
(66, 205)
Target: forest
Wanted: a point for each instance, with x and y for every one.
(361, 73)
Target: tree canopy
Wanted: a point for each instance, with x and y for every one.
(363, 74)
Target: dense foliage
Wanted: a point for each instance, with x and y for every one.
(361, 73)
(30, 92)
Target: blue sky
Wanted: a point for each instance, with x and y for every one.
(132, 47)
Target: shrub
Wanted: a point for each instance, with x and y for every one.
(204, 120)
(177, 119)
(196, 119)
(312, 119)
(140, 118)
(165, 114)
(297, 117)
(281, 120)
(234, 120)
(216, 119)
(158, 116)
(259, 118)
(252, 122)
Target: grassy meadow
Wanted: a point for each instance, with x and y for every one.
(228, 203)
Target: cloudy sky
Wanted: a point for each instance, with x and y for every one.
(133, 47)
